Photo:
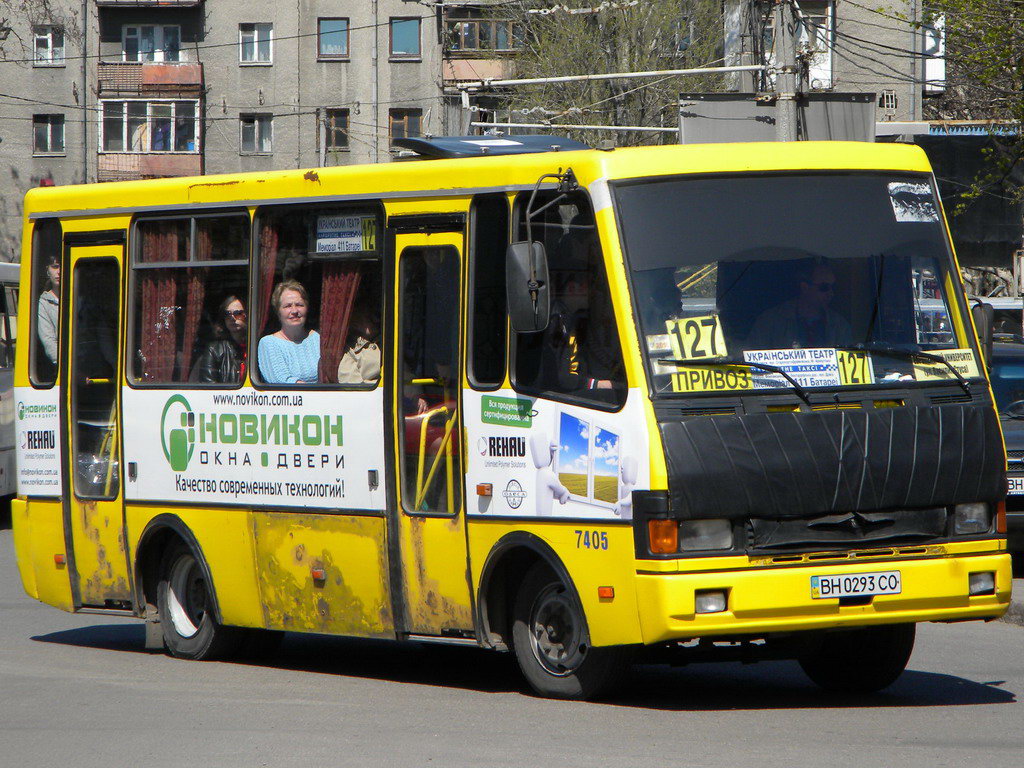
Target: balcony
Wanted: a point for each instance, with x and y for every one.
(468, 70)
(128, 167)
(134, 77)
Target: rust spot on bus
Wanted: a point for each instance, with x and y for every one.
(311, 176)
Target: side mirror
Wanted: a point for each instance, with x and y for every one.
(526, 284)
(983, 320)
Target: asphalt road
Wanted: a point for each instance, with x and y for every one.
(80, 691)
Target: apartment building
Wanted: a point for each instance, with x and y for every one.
(105, 90)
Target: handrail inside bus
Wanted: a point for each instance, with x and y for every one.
(443, 450)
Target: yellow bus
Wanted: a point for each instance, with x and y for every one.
(697, 401)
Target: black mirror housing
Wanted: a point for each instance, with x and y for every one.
(983, 315)
(526, 283)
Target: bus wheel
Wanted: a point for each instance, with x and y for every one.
(184, 601)
(551, 641)
(860, 660)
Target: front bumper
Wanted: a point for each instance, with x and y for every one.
(776, 598)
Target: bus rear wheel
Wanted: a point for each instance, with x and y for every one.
(860, 660)
(185, 603)
(552, 643)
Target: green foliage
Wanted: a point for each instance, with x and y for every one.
(984, 81)
(614, 36)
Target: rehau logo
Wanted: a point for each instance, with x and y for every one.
(502, 446)
(38, 439)
(178, 432)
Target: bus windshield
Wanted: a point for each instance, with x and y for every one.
(836, 279)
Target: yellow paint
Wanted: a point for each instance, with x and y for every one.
(38, 536)
(353, 598)
(433, 548)
(97, 526)
(779, 599)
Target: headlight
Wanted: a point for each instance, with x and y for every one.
(705, 534)
(972, 518)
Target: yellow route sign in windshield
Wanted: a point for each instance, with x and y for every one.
(697, 338)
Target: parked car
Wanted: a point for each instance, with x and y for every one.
(1008, 387)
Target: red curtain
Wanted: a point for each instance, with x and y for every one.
(194, 303)
(268, 268)
(340, 286)
(159, 311)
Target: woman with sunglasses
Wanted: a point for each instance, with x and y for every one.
(222, 361)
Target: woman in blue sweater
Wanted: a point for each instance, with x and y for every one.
(292, 354)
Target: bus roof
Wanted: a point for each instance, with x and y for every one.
(461, 176)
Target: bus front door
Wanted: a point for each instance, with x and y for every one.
(94, 509)
(430, 522)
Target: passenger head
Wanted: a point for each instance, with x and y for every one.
(817, 286)
(291, 303)
(53, 271)
(232, 317)
(363, 323)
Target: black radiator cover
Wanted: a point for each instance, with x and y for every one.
(792, 465)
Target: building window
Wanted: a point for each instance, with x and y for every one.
(332, 38)
(151, 42)
(48, 134)
(405, 38)
(255, 43)
(336, 129)
(470, 33)
(403, 123)
(257, 134)
(49, 46)
(150, 126)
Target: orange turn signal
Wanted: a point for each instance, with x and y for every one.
(663, 536)
(59, 559)
(319, 574)
(484, 489)
(1001, 517)
(606, 593)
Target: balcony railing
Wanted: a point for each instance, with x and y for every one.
(128, 167)
(149, 76)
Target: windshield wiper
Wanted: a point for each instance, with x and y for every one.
(909, 354)
(729, 361)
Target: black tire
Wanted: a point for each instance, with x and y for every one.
(860, 660)
(552, 642)
(185, 601)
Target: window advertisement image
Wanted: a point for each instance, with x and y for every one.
(37, 447)
(312, 449)
(547, 459)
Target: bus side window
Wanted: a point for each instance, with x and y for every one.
(319, 296)
(488, 329)
(46, 272)
(579, 354)
(190, 287)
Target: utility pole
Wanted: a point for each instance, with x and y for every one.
(786, 74)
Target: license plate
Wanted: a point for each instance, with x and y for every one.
(856, 585)
(1016, 485)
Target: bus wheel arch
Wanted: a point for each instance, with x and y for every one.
(507, 564)
(163, 535)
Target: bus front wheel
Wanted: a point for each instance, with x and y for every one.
(185, 603)
(860, 660)
(552, 643)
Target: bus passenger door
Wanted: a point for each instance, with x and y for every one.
(430, 520)
(93, 505)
